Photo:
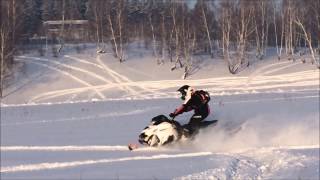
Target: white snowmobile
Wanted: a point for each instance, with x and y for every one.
(162, 131)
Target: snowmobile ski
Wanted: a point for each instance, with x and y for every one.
(133, 146)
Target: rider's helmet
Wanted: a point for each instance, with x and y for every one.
(183, 90)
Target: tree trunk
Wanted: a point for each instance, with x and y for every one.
(2, 36)
(114, 38)
(154, 43)
(308, 39)
(207, 29)
(120, 33)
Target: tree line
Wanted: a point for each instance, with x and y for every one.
(175, 30)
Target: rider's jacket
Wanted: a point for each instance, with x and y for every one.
(195, 100)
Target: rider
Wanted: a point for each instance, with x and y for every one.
(196, 100)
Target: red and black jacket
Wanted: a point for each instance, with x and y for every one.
(196, 102)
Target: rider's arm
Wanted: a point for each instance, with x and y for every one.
(185, 107)
(180, 110)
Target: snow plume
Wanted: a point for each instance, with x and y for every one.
(259, 132)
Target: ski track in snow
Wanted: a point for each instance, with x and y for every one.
(241, 165)
(65, 73)
(254, 164)
(260, 80)
(121, 82)
(59, 165)
(260, 70)
(117, 77)
(156, 88)
(64, 148)
(280, 68)
(125, 81)
(86, 118)
(59, 64)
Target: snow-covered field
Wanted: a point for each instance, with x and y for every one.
(72, 117)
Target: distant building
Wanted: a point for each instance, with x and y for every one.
(68, 30)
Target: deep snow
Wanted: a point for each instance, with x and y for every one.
(72, 117)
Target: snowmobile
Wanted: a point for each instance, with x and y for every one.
(162, 131)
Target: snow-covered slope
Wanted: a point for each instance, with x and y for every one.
(72, 117)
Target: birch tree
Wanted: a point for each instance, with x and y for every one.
(225, 24)
(242, 21)
(261, 20)
(276, 18)
(97, 14)
(205, 23)
(305, 20)
(289, 17)
(176, 31)
(11, 21)
(116, 19)
(152, 17)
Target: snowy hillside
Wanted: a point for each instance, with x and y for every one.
(72, 117)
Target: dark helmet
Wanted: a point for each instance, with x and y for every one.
(183, 90)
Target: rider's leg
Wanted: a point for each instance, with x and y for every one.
(193, 125)
(195, 121)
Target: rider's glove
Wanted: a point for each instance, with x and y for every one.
(172, 115)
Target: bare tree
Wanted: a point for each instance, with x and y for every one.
(305, 21)
(243, 31)
(116, 20)
(61, 35)
(96, 9)
(240, 16)
(276, 29)
(308, 38)
(314, 12)
(289, 30)
(225, 24)
(154, 41)
(11, 12)
(163, 36)
(189, 39)
(5, 53)
(177, 32)
(261, 20)
(205, 21)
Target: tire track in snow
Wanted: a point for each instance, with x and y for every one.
(67, 66)
(122, 82)
(298, 79)
(116, 76)
(91, 118)
(67, 74)
(64, 148)
(142, 111)
(123, 79)
(81, 148)
(73, 96)
(72, 92)
(84, 61)
(70, 164)
(57, 93)
(228, 88)
(94, 75)
(262, 70)
(280, 68)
